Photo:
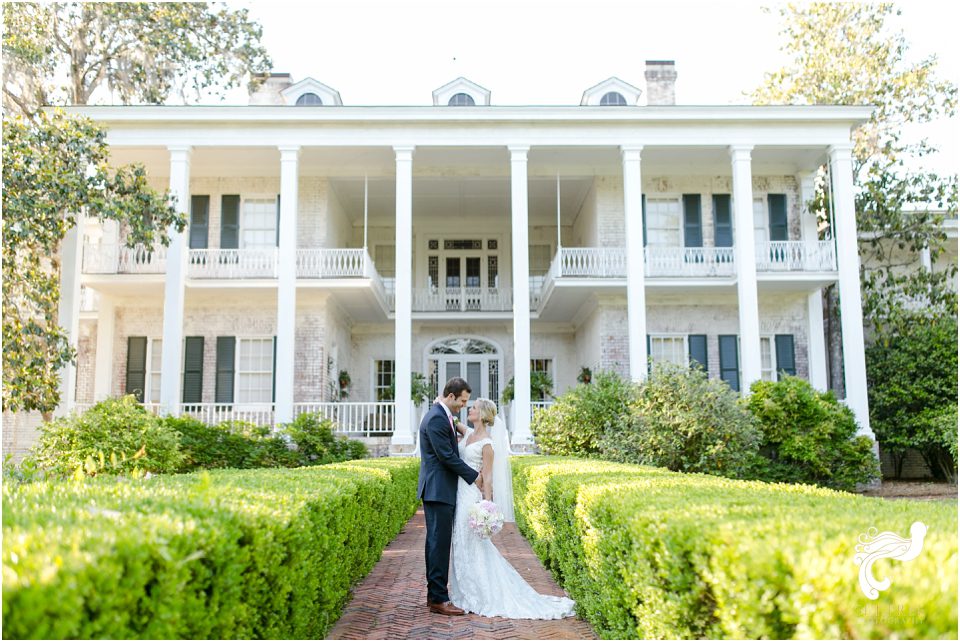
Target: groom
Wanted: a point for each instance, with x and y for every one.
(440, 465)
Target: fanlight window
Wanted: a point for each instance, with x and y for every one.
(463, 346)
(462, 100)
(309, 99)
(613, 98)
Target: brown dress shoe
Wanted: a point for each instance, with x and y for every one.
(445, 608)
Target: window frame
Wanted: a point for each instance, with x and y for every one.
(375, 379)
(237, 371)
(674, 199)
(244, 199)
(672, 336)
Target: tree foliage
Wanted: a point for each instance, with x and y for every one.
(848, 54)
(140, 52)
(55, 168)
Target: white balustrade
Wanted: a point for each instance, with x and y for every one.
(689, 261)
(462, 299)
(367, 418)
(539, 405)
(215, 413)
(333, 263)
(593, 262)
(796, 256)
(258, 263)
(115, 258)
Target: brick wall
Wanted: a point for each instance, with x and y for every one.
(86, 360)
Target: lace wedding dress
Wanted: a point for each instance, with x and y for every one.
(482, 581)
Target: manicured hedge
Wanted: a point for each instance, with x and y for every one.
(648, 553)
(219, 554)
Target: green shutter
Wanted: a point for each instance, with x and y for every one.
(722, 221)
(697, 345)
(226, 353)
(692, 224)
(199, 222)
(786, 361)
(274, 398)
(729, 360)
(193, 370)
(777, 204)
(643, 207)
(136, 366)
(230, 221)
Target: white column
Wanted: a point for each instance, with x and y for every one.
(925, 261)
(403, 312)
(848, 265)
(68, 315)
(103, 372)
(287, 283)
(173, 293)
(745, 249)
(816, 346)
(521, 295)
(636, 290)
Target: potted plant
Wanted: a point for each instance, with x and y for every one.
(585, 376)
(344, 380)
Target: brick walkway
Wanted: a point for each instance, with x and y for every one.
(391, 602)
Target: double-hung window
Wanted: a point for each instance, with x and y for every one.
(669, 348)
(259, 226)
(663, 222)
(255, 371)
(384, 372)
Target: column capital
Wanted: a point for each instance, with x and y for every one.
(840, 152)
(179, 151)
(631, 152)
(740, 152)
(518, 152)
(288, 151)
(404, 152)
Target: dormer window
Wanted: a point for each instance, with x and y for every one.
(308, 99)
(461, 93)
(611, 92)
(462, 100)
(613, 98)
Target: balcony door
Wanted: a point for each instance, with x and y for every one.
(461, 273)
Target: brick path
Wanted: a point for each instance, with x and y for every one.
(391, 602)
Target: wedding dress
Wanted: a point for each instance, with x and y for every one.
(482, 581)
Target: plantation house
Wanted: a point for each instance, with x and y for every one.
(461, 238)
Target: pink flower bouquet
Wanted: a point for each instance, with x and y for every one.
(485, 519)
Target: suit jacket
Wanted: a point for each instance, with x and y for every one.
(440, 462)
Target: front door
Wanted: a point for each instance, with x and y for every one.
(475, 360)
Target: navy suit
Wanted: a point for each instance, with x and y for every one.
(440, 465)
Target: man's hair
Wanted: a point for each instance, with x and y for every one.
(455, 386)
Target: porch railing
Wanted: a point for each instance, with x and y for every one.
(367, 418)
(116, 258)
(793, 256)
(462, 299)
(591, 262)
(233, 264)
(689, 261)
(333, 263)
(215, 413)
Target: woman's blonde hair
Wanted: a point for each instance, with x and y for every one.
(486, 410)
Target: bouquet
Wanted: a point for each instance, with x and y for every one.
(485, 519)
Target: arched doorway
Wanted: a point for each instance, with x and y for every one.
(477, 360)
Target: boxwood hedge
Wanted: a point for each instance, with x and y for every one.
(216, 554)
(648, 553)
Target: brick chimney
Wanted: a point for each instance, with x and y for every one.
(661, 78)
(268, 93)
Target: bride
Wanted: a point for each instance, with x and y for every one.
(481, 580)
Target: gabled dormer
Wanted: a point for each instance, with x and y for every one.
(611, 91)
(309, 92)
(461, 93)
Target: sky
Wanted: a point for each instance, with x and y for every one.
(533, 52)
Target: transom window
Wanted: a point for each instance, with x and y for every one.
(663, 223)
(259, 228)
(255, 371)
(613, 98)
(461, 100)
(669, 349)
(463, 346)
(308, 99)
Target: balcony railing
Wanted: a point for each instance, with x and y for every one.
(462, 299)
(233, 264)
(689, 261)
(333, 263)
(115, 258)
(796, 256)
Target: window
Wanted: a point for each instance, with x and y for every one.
(255, 371)
(669, 348)
(383, 379)
(760, 234)
(308, 99)
(461, 100)
(259, 228)
(153, 376)
(385, 260)
(663, 222)
(544, 366)
(767, 360)
(613, 98)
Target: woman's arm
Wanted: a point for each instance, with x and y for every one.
(487, 472)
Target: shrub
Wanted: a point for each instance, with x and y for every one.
(650, 554)
(231, 444)
(541, 387)
(116, 436)
(573, 424)
(264, 554)
(316, 443)
(684, 421)
(809, 437)
(912, 377)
